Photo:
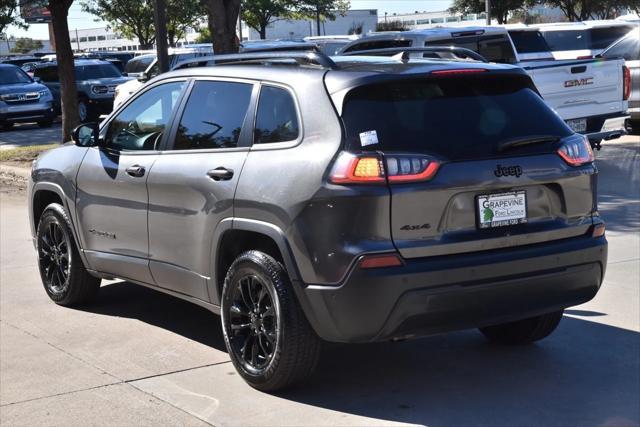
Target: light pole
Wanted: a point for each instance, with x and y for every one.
(160, 17)
(487, 8)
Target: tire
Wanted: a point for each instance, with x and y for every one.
(633, 127)
(45, 123)
(524, 331)
(7, 125)
(284, 349)
(64, 277)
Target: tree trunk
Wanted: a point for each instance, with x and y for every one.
(66, 70)
(317, 21)
(223, 17)
(263, 32)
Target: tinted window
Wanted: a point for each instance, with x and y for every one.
(382, 44)
(494, 48)
(629, 49)
(456, 118)
(139, 65)
(47, 74)
(11, 75)
(276, 120)
(213, 116)
(140, 125)
(529, 41)
(601, 38)
(96, 71)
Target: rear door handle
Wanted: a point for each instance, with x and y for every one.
(135, 171)
(220, 174)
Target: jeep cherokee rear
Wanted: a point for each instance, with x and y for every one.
(361, 201)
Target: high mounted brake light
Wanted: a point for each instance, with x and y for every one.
(370, 169)
(576, 151)
(458, 71)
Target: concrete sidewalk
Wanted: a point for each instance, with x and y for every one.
(138, 357)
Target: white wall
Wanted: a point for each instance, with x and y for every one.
(295, 29)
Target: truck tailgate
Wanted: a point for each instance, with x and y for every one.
(577, 89)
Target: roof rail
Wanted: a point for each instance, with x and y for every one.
(300, 57)
(406, 51)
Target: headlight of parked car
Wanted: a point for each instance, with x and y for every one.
(44, 92)
(100, 89)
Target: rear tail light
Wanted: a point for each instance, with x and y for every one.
(380, 261)
(370, 168)
(357, 169)
(598, 231)
(626, 83)
(410, 168)
(576, 151)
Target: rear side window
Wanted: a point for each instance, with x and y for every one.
(628, 48)
(594, 38)
(276, 120)
(529, 41)
(601, 38)
(213, 116)
(47, 74)
(380, 44)
(453, 118)
(495, 48)
(97, 71)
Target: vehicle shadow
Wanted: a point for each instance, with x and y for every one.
(586, 373)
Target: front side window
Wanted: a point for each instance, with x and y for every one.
(276, 120)
(214, 115)
(141, 124)
(139, 65)
(628, 48)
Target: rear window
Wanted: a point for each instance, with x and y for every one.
(138, 65)
(495, 48)
(594, 38)
(453, 118)
(97, 71)
(381, 44)
(529, 41)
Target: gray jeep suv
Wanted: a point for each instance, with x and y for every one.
(353, 199)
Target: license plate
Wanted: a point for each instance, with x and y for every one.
(501, 209)
(578, 125)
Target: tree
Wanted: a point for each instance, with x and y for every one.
(66, 70)
(396, 25)
(131, 18)
(500, 9)
(222, 18)
(26, 45)
(204, 35)
(9, 15)
(321, 10)
(259, 14)
(581, 10)
(181, 15)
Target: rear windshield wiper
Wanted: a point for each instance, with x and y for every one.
(526, 140)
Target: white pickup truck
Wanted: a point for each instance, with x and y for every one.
(588, 94)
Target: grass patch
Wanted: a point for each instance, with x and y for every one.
(24, 154)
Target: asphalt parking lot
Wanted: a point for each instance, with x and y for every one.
(30, 134)
(137, 357)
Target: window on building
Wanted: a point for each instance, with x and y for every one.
(101, 38)
(83, 39)
(92, 38)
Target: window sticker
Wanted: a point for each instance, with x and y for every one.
(368, 138)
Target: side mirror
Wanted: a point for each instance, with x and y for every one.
(87, 135)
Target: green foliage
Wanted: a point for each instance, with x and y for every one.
(181, 15)
(326, 9)
(500, 9)
(131, 18)
(258, 14)
(9, 15)
(26, 45)
(581, 10)
(204, 36)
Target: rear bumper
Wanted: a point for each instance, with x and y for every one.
(439, 294)
(606, 127)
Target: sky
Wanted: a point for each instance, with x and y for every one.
(79, 19)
